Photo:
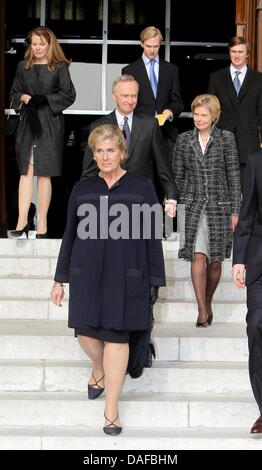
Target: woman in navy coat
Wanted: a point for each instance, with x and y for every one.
(111, 255)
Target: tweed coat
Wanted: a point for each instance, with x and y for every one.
(109, 278)
(207, 183)
(48, 148)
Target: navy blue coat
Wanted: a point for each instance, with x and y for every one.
(109, 279)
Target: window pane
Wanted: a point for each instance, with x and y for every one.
(203, 21)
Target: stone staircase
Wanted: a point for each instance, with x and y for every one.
(196, 396)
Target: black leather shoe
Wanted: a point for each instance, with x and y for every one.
(257, 426)
(151, 352)
(210, 319)
(41, 235)
(112, 429)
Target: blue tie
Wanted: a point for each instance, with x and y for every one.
(152, 77)
(126, 130)
(237, 83)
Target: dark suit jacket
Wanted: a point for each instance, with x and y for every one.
(146, 148)
(247, 247)
(240, 114)
(168, 92)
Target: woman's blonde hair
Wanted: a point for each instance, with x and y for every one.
(55, 54)
(108, 131)
(211, 102)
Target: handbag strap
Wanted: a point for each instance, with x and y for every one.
(10, 107)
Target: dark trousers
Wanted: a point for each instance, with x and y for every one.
(254, 334)
(242, 167)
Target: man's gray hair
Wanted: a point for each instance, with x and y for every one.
(124, 78)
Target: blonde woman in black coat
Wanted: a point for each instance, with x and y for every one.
(112, 265)
(206, 169)
(42, 89)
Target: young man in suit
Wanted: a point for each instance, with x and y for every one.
(247, 255)
(159, 89)
(239, 90)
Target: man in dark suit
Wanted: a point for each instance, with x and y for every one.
(164, 95)
(146, 145)
(239, 90)
(247, 254)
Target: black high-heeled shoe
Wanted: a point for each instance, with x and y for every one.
(200, 324)
(41, 235)
(19, 233)
(210, 319)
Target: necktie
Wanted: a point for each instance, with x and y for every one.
(237, 83)
(152, 76)
(126, 130)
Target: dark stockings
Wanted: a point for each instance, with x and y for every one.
(213, 277)
(205, 278)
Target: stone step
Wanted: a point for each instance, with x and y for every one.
(53, 340)
(42, 248)
(136, 411)
(50, 247)
(163, 377)
(39, 266)
(173, 312)
(176, 290)
(180, 269)
(164, 311)
(83, 437)
(182, 290)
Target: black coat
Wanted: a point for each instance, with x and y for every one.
(109, 279)
(146, 149)
(240, 114)
(247, 246)
(59, 90)
(168, 93)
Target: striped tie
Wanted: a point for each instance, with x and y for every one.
(237, 83)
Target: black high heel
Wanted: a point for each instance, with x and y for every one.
(210, 319)
(41, 235)
(200, 324)
(19, 233)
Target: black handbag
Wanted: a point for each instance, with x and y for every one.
(12, 122)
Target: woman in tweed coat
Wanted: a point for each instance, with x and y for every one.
(206, 169)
